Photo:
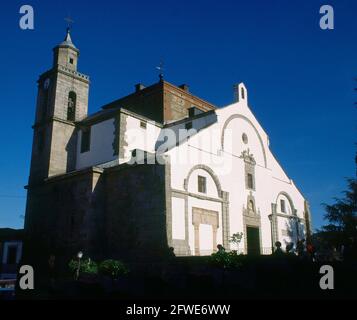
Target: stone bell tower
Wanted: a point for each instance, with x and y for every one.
(62, 100)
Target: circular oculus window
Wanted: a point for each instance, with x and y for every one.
(245, 138)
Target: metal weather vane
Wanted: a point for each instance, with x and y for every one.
(161, 70)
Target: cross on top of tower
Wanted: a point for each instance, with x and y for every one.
(70, 22)
(68, 40)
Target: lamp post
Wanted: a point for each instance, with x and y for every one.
(79, 256)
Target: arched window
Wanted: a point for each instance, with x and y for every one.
(284, 204)
(71, 109)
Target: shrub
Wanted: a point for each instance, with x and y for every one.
(225, 259)
(87, 266)
(113, 268)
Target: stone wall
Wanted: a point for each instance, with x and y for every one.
(136, 211)
(65, 83)
(63, 216)
(63, 148)
(116, 213)
(147, 102)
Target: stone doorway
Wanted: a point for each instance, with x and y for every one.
(253, 240)
(206, 224)
(252, 227)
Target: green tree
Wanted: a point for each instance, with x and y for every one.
(341, 216)
(236, 238)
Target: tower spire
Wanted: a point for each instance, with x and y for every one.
(68, 40)
(66, 53)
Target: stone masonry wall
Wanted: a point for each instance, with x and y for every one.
(136, 211)
(63, 216)
(116, 213)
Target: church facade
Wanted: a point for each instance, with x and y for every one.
(158, 168)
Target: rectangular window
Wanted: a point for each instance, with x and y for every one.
(11, 255)
(250, 181)
(282, 206)
(188, 125)
(191, 112)
(85, 142)
(71, 60)
(143, 124)
(202, 184)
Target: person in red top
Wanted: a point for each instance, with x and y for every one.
(311, 251)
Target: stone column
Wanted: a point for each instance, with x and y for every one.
(214, 229)
(188, 249)
(225, 220)
(197, 239)
(274, 226)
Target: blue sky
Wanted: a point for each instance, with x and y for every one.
(300, 78)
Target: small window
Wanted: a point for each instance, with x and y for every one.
(188, 125)
(202, 185)
(191, 112)
(250, 181)
(143, 124)
(85, 142)
(71, 60)
(243, 93)
(282, 206)
(11, 255)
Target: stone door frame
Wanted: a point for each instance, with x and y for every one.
(204, 216)
(252, 218)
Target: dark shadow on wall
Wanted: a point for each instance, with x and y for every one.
(71, 149)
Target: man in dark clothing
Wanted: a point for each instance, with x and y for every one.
(278, 251)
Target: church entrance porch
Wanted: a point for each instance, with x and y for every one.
(253, 240)
(206, 224)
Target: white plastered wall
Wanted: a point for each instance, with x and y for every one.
(205, 148)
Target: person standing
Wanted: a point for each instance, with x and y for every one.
(300, 247)
(278, 251)
(311, 251)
